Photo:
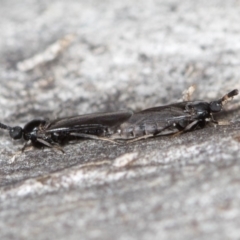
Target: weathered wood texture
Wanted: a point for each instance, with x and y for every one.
(61, 58)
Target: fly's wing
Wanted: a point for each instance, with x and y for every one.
(153, 121)
(89, 121)
(169, 113)
(176, 107)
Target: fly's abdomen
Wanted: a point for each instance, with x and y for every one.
(129, 130)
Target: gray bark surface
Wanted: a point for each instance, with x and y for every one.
(64, 58)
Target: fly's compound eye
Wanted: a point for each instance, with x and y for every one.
(16, 132)
(215, 106)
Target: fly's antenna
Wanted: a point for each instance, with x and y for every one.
(216, 106)
(14, 132)
(228, 96)
(3, 126)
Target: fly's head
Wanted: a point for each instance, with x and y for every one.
(202, 110)
(216, 106)
(16, 132)
(29, 132)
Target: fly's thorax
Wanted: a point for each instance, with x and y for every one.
(198, 109)
(31, 129)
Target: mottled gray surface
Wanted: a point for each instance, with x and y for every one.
(62, 58)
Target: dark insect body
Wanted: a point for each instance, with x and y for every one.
(123, 125)
(57, 132)
(171, 119)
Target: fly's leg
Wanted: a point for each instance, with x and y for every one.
(45, 143)
(140, 138)
(222, 123)
(58, 148)
(88, 136)
(189, 127)
(156, 133)
(53, 146)
(26, 146)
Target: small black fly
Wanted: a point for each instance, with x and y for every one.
(175, 118)
(54, 133)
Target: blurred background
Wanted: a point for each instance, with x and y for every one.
(62, 58)
(133, 54)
